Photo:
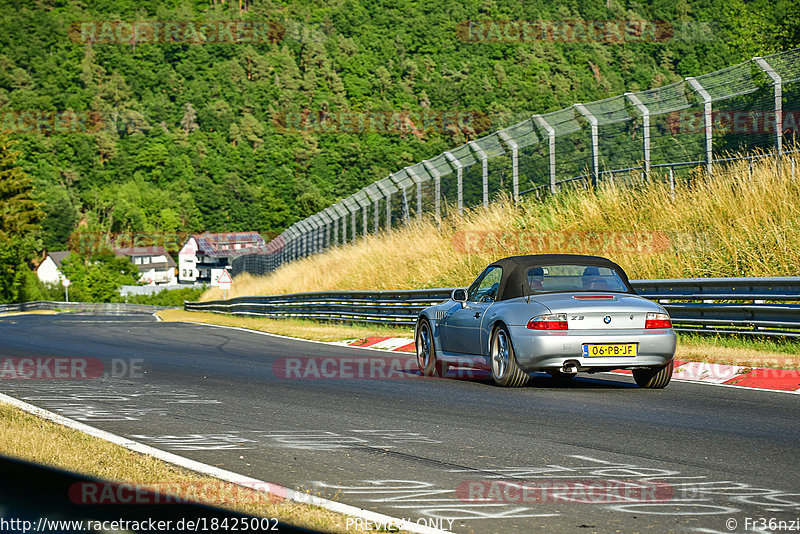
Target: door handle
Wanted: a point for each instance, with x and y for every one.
(477, 315)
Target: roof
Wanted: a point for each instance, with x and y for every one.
(514, 281)
(211, 244)
(147, 251)
(58, 256)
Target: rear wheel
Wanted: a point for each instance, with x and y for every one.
(654, 377)
(505, 370)
(426, 352)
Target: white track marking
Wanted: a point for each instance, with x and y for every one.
(222, 474)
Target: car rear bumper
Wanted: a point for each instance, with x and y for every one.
(536, 350)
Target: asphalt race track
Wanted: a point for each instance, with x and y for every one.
(592, 454)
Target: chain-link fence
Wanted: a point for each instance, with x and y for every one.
(669, 130)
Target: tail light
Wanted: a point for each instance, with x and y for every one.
(593, 297)
(657, 320)
(556, 321)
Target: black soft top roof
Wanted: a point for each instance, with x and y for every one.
(514, 282)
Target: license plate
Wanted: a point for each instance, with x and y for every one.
(609, 349)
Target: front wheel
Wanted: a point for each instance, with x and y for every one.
(426, 352)
(505, 370)
(654, 378)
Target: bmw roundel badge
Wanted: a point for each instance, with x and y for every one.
(607, 319)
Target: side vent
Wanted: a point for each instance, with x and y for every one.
(440, 314)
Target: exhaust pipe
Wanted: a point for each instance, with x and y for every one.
(570, 367)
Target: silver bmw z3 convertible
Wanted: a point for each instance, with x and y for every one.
(557, 313)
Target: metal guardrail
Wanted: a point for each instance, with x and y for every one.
(711, 305)
(99, 307)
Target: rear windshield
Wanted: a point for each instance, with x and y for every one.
(547, 278)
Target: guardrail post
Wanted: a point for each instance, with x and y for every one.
(708, 121)
(438, 181)
(510, 143)
(777, 87)
(453, 161)
(595, 156)
(645, 127)
(484, 170)
(551, 140)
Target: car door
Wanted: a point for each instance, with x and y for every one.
(462, 324)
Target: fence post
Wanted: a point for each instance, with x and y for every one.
(777, 87)
(645, 127)
(303, 238)
(402, 189)
(389, 212)
(595, 156)
(708, 119)
(460, 175)
(672, 184)
(336, 229)
(551, 138)
(353, 217)
(376, 226)
(385, 187)
(418, 182)
(514, 162)
(484, 170)
(438, 181)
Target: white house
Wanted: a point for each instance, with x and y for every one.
(155, 265)
(204, 256)
(50, 269)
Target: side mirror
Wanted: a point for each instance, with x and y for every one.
(459, 295)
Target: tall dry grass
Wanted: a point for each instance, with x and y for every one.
(731, 224)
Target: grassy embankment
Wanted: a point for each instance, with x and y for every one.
(734, 224)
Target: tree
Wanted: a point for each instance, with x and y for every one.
(19, 213)
(19, 224)
(188, 121)
(97, 277)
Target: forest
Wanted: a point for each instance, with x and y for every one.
(167, 117)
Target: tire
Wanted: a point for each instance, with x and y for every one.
(426, 351)
(504, 368)
(654, 378)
